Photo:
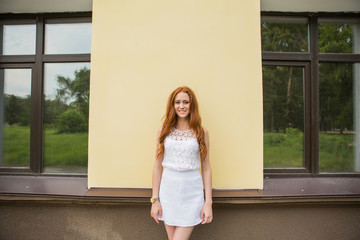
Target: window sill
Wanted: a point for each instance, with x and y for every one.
(276, 190)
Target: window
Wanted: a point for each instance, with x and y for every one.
(16, 106)
(311, 79)
(284, 116)
(44, 86)
(284, 34)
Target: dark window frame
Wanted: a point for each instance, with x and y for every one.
(36, 63)
(307, 118)
(311, 87)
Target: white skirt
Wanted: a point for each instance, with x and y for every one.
(181, 197)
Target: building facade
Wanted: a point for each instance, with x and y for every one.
(84, 86)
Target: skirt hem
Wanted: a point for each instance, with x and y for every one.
(180, 225)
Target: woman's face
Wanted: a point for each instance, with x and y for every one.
(182, 105)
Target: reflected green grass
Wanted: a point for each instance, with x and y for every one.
(70, 149)
(285, 150)
(59, 149)
(16, 146)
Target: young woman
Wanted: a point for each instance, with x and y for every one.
(182, 148)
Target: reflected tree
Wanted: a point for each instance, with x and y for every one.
(284, 37)
(17, 110)
(69, 111)
(75, 91)
(283, 98)
(336, 80)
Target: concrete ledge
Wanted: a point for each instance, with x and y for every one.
(276, 190)
(36, 199)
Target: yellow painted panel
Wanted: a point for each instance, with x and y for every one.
(141, 51)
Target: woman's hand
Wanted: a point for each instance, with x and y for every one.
(206, 213)
(156, 211)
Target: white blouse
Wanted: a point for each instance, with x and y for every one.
(181, 151)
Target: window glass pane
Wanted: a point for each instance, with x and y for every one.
(283, 116)
(67, 37)
(19, 39)
(339, 117)
(66, 117)
(15, 91)
(284, 34)
(339, 36)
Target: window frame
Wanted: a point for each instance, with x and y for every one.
(36, 63)
(307, 117)
(311, 91)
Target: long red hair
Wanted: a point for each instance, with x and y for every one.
(170, 120)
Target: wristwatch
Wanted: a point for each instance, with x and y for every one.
(153, 200)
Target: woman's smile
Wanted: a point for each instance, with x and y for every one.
(182, 105)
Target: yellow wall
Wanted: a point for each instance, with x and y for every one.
(141, 51)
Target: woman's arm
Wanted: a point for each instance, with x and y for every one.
(206, 213)
(156, 178)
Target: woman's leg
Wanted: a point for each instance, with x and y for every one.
(182, 233)
(178, 233)
(170, 231)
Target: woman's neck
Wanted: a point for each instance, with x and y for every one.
(182, 124)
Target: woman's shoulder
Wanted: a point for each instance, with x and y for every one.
(206, 132)
(159, 131)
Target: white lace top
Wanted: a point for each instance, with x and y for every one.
(181, 151)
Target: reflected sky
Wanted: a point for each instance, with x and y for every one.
(64, 38)
(17, 82)
(67, 38)
(19, 39)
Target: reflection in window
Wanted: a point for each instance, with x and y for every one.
(18, 39)
(337, 36)
(284, 34)
(283, 116)
(66, 117)
(15, 90)
(339, 87)
(67, 37)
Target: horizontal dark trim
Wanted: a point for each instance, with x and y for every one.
(285, 63)
(16, 65)
(44, 15)
(283, 174)
(286, 170)
(46, 58)
(131, 201)
(283, 56)
(340, 57)
(17, 59)
(279, 188)
(57, 58)
(8, 170)
(310, 14)
(323, 57)
(23, 172)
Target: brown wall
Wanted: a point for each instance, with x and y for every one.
(131, 221)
